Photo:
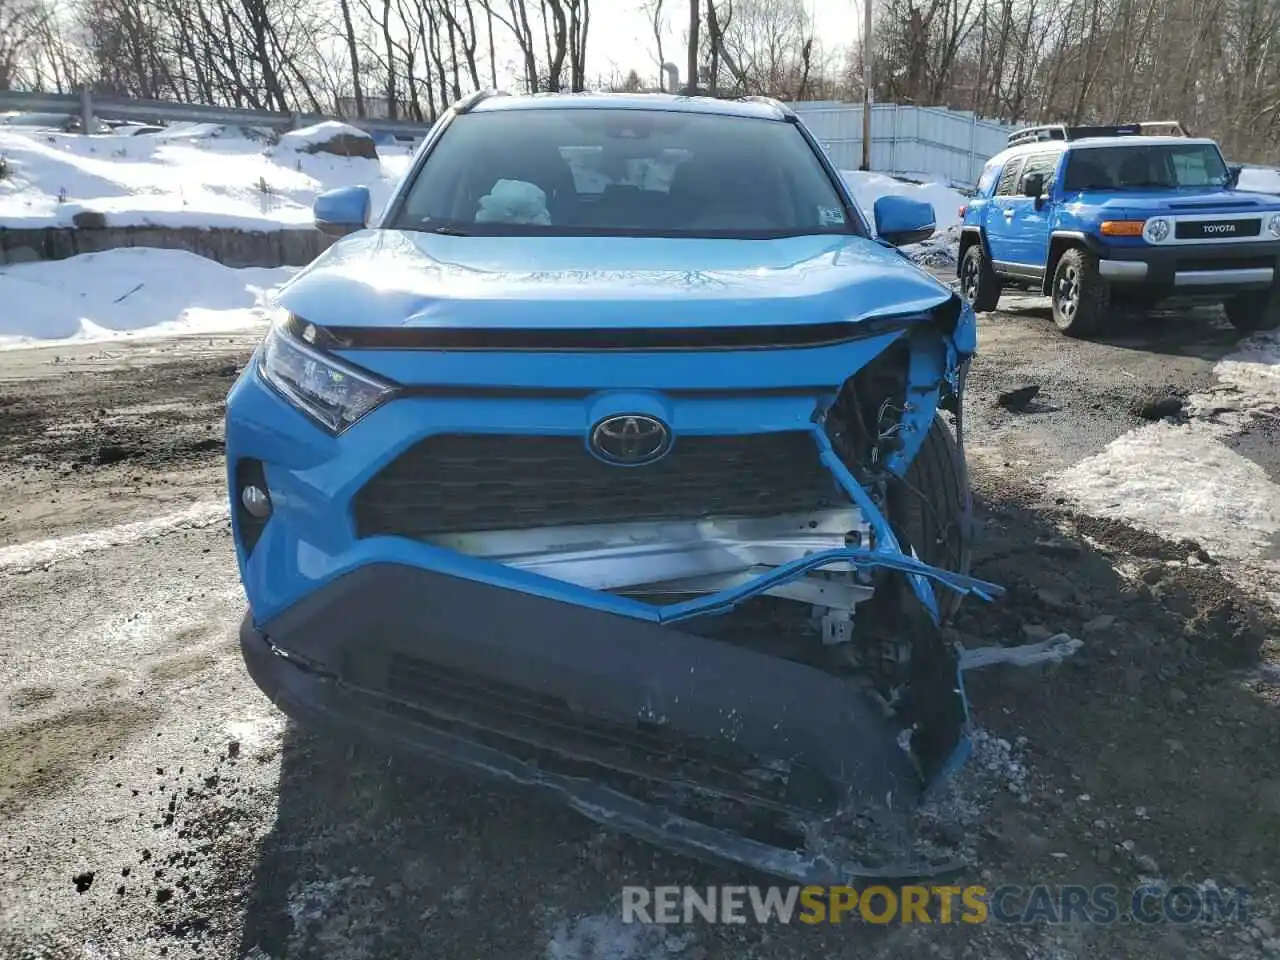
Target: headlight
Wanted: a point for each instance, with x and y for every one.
(1273, 226)
(1156, 231)
(333, 393)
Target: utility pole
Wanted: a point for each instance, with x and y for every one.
(695, 15)
(867, 97)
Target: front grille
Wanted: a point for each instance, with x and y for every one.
(457, 483)
(1216, 229)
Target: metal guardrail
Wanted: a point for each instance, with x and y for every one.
(88, 108)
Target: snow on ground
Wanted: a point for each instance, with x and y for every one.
(208, 175)
(942, 248)
(130, 291)
(306, 137)
(607, 937)
(1182, 480)
(869, 187)
(188, 175)
(1261, 179)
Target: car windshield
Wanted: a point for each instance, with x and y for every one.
(1166, 166)
(622, 172)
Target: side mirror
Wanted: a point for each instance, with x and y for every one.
(1033, 186)
(1233, 174)
(342, 211)
(901, 220)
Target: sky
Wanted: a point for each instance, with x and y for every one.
(621, 38)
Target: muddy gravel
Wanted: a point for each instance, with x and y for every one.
(153, 804)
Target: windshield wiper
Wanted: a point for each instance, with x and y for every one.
(446, 229)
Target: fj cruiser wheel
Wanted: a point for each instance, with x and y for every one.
(979, 284)
(932, 510)
(1081, 297)
(1254, 311)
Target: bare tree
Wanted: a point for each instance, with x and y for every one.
(22, 23)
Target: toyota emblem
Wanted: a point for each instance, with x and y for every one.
(630, 440)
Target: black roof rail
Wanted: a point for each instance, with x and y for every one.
(467, 103)
(1060, 131)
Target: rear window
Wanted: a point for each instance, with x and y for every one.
(1145, 165)
(578, 172)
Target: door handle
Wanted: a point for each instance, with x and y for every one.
(1008, 213)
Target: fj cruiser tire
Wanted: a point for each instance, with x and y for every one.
(932, 510)
(979, 284)
(1254, 311)
(1081, 298)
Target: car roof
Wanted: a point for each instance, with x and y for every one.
(1089, 143)
(761, 109)
(1094, 142)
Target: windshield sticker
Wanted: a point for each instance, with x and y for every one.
(830, 216)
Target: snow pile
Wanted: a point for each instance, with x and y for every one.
(307, 137)
(189, 175)
(1261, 179)
(1185, 481)
(869, 187)
(130, 291)
(943, 247)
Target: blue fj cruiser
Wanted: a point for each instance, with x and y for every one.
(1130, 214)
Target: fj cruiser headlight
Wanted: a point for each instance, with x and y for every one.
(1273, 226)
(333, 393)
(1156, 230)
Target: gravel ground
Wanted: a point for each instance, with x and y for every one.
(152, 803)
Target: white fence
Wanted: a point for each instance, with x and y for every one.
(931, 143)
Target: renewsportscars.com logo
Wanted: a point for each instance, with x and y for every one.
(1149, 903)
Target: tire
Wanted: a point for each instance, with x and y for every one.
(1081, 298)
(1254, 311)
(979, 284)
(932, 511)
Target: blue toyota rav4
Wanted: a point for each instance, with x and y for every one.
(612, 461)
(1099, 215)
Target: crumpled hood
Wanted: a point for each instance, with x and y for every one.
(394, 278)
(1139, 205)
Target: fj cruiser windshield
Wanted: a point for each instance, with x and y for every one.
(623, 173)
(1165, 166)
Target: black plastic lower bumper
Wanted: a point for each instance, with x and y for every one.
(1195, 269)
(691, 743)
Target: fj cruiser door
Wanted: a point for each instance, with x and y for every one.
(1000, 213)
(1029, 226)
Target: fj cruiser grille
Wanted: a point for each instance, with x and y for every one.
(455, 483)
(1216, 229)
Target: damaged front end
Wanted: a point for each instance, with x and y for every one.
(763, 679)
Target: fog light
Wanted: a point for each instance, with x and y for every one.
(256, 502)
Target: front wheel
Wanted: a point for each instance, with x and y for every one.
(1081, 298)
(979, 284)
(1254, 311)
(932, 509)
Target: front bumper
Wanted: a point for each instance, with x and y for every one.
(1200, 268)
(699, 745)
(477, 651)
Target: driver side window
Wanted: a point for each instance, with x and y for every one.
(1008, 185)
